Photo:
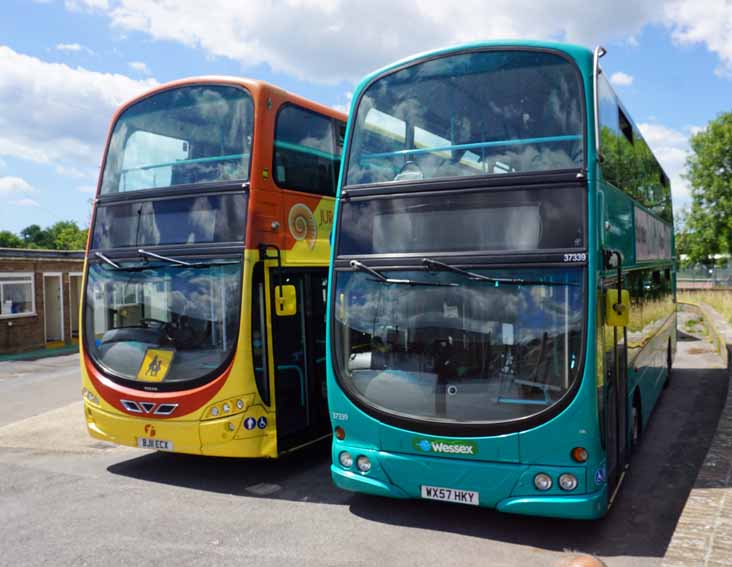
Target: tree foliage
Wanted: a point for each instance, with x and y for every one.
(63, 235)
(709, 222)
(10, 240)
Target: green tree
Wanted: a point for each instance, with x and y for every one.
(710, 176)
(63, 235)
(68, 236)
(35, 237)
(10, 240)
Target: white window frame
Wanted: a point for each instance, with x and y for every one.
(20, 276)
(60, 277)
(79, 275)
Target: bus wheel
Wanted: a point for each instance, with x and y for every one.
(669, 364)
(637, 428)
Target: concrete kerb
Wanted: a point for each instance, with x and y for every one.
(40, 353)
(703, 534)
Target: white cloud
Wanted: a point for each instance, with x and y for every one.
(76, 172)
(708, 22)
(337, 40)
(73, 47)
(671, 147)
(11, 186)
(88, 189)
(54, 113)
(344, 106)
(621, 79)
(77, 5)
(26, 202)
(140, 67)
(15, 190)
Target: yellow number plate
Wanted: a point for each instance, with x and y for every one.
(155, 365)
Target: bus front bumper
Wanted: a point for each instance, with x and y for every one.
(212, 437)
(505, 487)
(582, 507)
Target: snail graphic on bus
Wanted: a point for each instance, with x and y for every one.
(301, 222)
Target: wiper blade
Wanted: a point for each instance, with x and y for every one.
(382, 278)
(429, 263)
(112, 263)
(143, 252)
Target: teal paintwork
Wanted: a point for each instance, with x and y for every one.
(503, 468)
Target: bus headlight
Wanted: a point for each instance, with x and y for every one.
(345, 459)
(363, 464)
(568, 482)
(542, 481)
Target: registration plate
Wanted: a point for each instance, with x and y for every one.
(157, 444)
(450, 495)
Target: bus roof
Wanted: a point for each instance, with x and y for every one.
(582, 55)
(255, 87)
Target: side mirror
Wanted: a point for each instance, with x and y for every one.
(285, 300)
(617, 310)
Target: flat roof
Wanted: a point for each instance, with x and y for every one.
(40, 254)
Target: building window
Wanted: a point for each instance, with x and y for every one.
(17, 294)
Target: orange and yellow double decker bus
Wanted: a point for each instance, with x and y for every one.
(205, 279)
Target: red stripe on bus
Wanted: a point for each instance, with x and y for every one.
(187, 400)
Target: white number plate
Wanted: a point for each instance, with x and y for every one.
(450, 495)
(157, 444)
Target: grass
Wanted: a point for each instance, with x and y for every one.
(721, 301)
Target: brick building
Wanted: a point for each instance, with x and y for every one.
(39, 298)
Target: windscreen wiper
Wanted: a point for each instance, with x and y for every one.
(143, 252)
(112, 263)
(430, 264)
(382, 278)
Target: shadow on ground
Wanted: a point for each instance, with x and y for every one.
(640, 523)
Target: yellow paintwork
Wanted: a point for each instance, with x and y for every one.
(285, 300)
(155, 365)
(196, 432)
(612, 317)
(303, 253)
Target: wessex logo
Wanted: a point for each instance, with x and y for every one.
(446, 446)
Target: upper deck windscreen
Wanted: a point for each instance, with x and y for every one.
(478, 113)
(195, 134)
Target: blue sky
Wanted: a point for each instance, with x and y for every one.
(65, 65)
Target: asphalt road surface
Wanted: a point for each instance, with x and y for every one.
(66, 499)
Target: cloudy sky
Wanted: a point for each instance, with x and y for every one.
(66, 64)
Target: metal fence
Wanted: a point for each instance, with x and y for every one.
(704, 278)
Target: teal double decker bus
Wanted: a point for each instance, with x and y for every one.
(501, 294)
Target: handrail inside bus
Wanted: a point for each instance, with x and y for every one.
(478, 145)
(306, 150)
(185, 162)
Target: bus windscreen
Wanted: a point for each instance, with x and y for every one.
(467, 114)
(182, 136)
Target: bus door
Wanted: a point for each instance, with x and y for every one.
(298, 337)
(616, 395)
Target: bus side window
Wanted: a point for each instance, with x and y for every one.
(306, 156)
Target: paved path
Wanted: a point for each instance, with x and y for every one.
(703, 535)
(66, 499)
(28, 388)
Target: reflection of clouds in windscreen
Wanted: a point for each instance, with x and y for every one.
(323, 143)
(374, 305)
(202, 220)
(537, 157)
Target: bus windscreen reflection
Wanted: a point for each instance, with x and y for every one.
(469, 351)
